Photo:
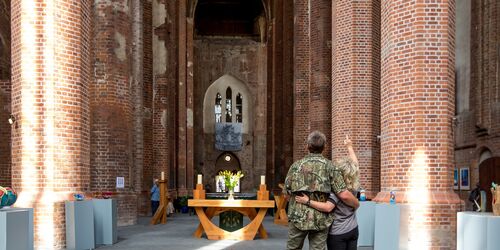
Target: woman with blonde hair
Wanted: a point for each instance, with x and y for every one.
(343, 234)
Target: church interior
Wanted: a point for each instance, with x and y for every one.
(104, 96)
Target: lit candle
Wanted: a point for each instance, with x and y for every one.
(199, 179)
(262, 179)
(162, 176)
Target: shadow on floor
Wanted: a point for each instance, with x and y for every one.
(176, 234)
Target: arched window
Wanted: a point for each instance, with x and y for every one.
(235, 103)
(218, 108)
(239, 108)
(229, 105)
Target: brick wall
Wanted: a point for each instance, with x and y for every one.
(476, 127)
(50, 75)
(5, 134)
(417, 107)
(5, 91)
(111, 106)
(5, 39)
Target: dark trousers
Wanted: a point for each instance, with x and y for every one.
(347, 241)
(154, 206)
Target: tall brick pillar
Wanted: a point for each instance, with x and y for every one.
(185, 139)
(312, 64)
(111, 106)
(418, 103)
(356, 85)
(50, 81)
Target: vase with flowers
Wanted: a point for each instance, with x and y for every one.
(231, 179)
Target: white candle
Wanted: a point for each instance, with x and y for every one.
(262, 179)
(199, 179)
(162, 176)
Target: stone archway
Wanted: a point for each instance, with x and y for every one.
(489, 171)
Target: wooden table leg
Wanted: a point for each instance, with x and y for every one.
(249, 231)
(280, 216)
(214, 232)
(252, 213)
(209, 213)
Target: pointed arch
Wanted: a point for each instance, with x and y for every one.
(237, 87)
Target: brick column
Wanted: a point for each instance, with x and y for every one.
(312, 64)
(50, 140)
(147, 174)
(162, 63)
(184, 102)
(301, 78)
(280, 93)
(189, 104)
(356, 85)
(418, 104)
(320, 97)
(112, 121)
(138, 90)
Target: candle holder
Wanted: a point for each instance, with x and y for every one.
(263, 193)
(199, 192)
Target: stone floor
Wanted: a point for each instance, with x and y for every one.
(176, 234)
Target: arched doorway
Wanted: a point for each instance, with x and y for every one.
(227, 161)
(489, 171)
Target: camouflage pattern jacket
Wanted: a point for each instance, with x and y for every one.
(315, 176)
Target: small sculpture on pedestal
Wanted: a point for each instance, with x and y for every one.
(7, 196)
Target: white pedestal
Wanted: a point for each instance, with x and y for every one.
(391, 227)
(105, 223)
(31, 232)
(365, 216)
(15, 229)
(79, 225)
(478, 231)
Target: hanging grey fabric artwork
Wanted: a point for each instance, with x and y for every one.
(228, 136)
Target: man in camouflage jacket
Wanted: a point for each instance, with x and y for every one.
(315, 176)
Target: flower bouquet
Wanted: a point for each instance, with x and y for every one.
(230, 181)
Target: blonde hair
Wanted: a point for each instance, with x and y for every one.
(350, 173)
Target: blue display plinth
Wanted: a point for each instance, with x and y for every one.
(31, 232)
(15, 229)
(478, 231)
(79, 225)
(391, 227)
(365, 216)
(105, 223)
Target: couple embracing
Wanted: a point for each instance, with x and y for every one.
(321, 196)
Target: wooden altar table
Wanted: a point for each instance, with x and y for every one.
(215, 207)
